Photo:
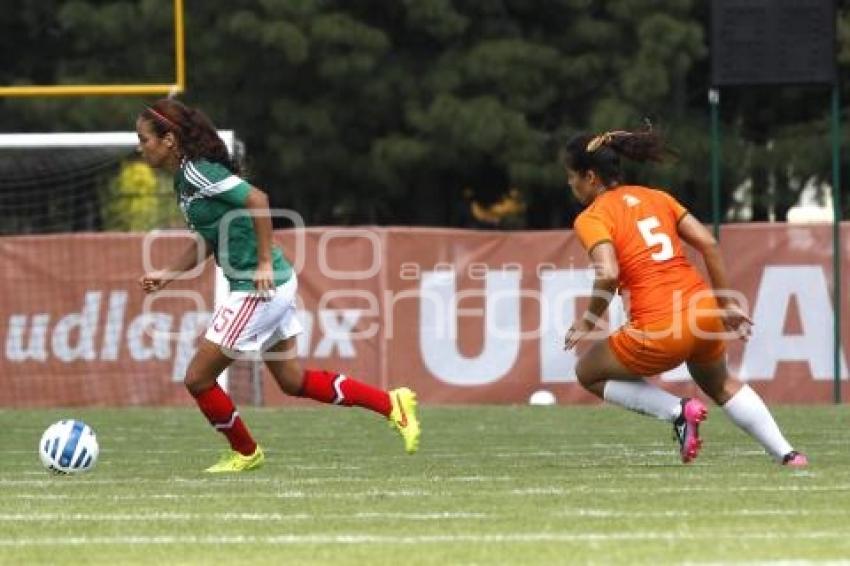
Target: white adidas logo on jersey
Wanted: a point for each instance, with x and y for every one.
(631, 200)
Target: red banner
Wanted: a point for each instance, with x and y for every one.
(461, 316)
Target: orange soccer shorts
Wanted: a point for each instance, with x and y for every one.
(695, 334)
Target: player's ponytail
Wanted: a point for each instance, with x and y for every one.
(195, 132)
(601, 153)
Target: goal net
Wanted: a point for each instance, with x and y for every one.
(82, 218)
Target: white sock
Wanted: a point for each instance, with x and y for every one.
(643, 397)
(748, 411)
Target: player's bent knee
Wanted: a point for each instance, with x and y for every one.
(584, 374)
(292, 388)
(291, 381)
(196, 384)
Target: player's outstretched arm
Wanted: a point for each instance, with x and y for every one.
(195, 254)
(258, 203)
(606, 269)
(694, 233)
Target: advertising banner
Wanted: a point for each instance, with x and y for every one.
(461, 316)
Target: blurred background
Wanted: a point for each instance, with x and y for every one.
(404, 112)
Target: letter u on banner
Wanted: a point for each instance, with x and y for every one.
(438, 336)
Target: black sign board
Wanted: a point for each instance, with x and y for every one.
(772, 42)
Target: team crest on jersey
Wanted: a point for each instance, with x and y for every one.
(188, 190)
(188, 193)
(631, 200)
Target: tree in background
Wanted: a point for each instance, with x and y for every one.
(138, 199)
(367, 111)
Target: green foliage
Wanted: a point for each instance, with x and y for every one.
(137, 200)
(376, 103)
(437, 18)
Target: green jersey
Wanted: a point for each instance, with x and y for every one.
(213, 202)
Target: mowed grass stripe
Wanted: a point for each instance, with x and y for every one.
(423, 516)
(357, 538)
(528, 492)
(494, 485)
(168, 517)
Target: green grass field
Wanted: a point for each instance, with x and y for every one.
(490, 485)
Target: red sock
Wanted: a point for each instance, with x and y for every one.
(339, 389)
(217, 406)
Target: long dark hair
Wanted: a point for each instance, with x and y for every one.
(601, 153)
(195, 132)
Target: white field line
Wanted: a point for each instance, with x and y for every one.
(421, 516)
(558, 490)
(47, 480)
(314, 467)
(286, 494)
(772, 563)
(264, 517)
(71, 481)
(133, 497)
(544, 491)
(107, 451)
(362, 539)
(675, 514)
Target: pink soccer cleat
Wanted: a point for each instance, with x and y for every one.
(686, 428)
(795, 459)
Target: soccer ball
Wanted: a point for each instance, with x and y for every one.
(542, 398)
(68, 447)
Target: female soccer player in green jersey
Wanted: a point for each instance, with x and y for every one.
(259, 313)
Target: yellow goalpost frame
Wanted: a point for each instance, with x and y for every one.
(118, 89)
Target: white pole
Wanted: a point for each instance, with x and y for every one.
(86, 139)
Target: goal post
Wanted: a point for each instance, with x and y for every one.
(128, 140)
(176, 87)
(48, 170)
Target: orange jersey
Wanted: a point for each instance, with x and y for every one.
(656, 279)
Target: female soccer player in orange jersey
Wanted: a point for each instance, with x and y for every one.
(633, 235)
(233, 223)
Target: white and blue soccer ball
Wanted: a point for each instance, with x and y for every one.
(68, 447)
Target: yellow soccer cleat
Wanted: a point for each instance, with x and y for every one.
(235, 462)
(403, 417)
